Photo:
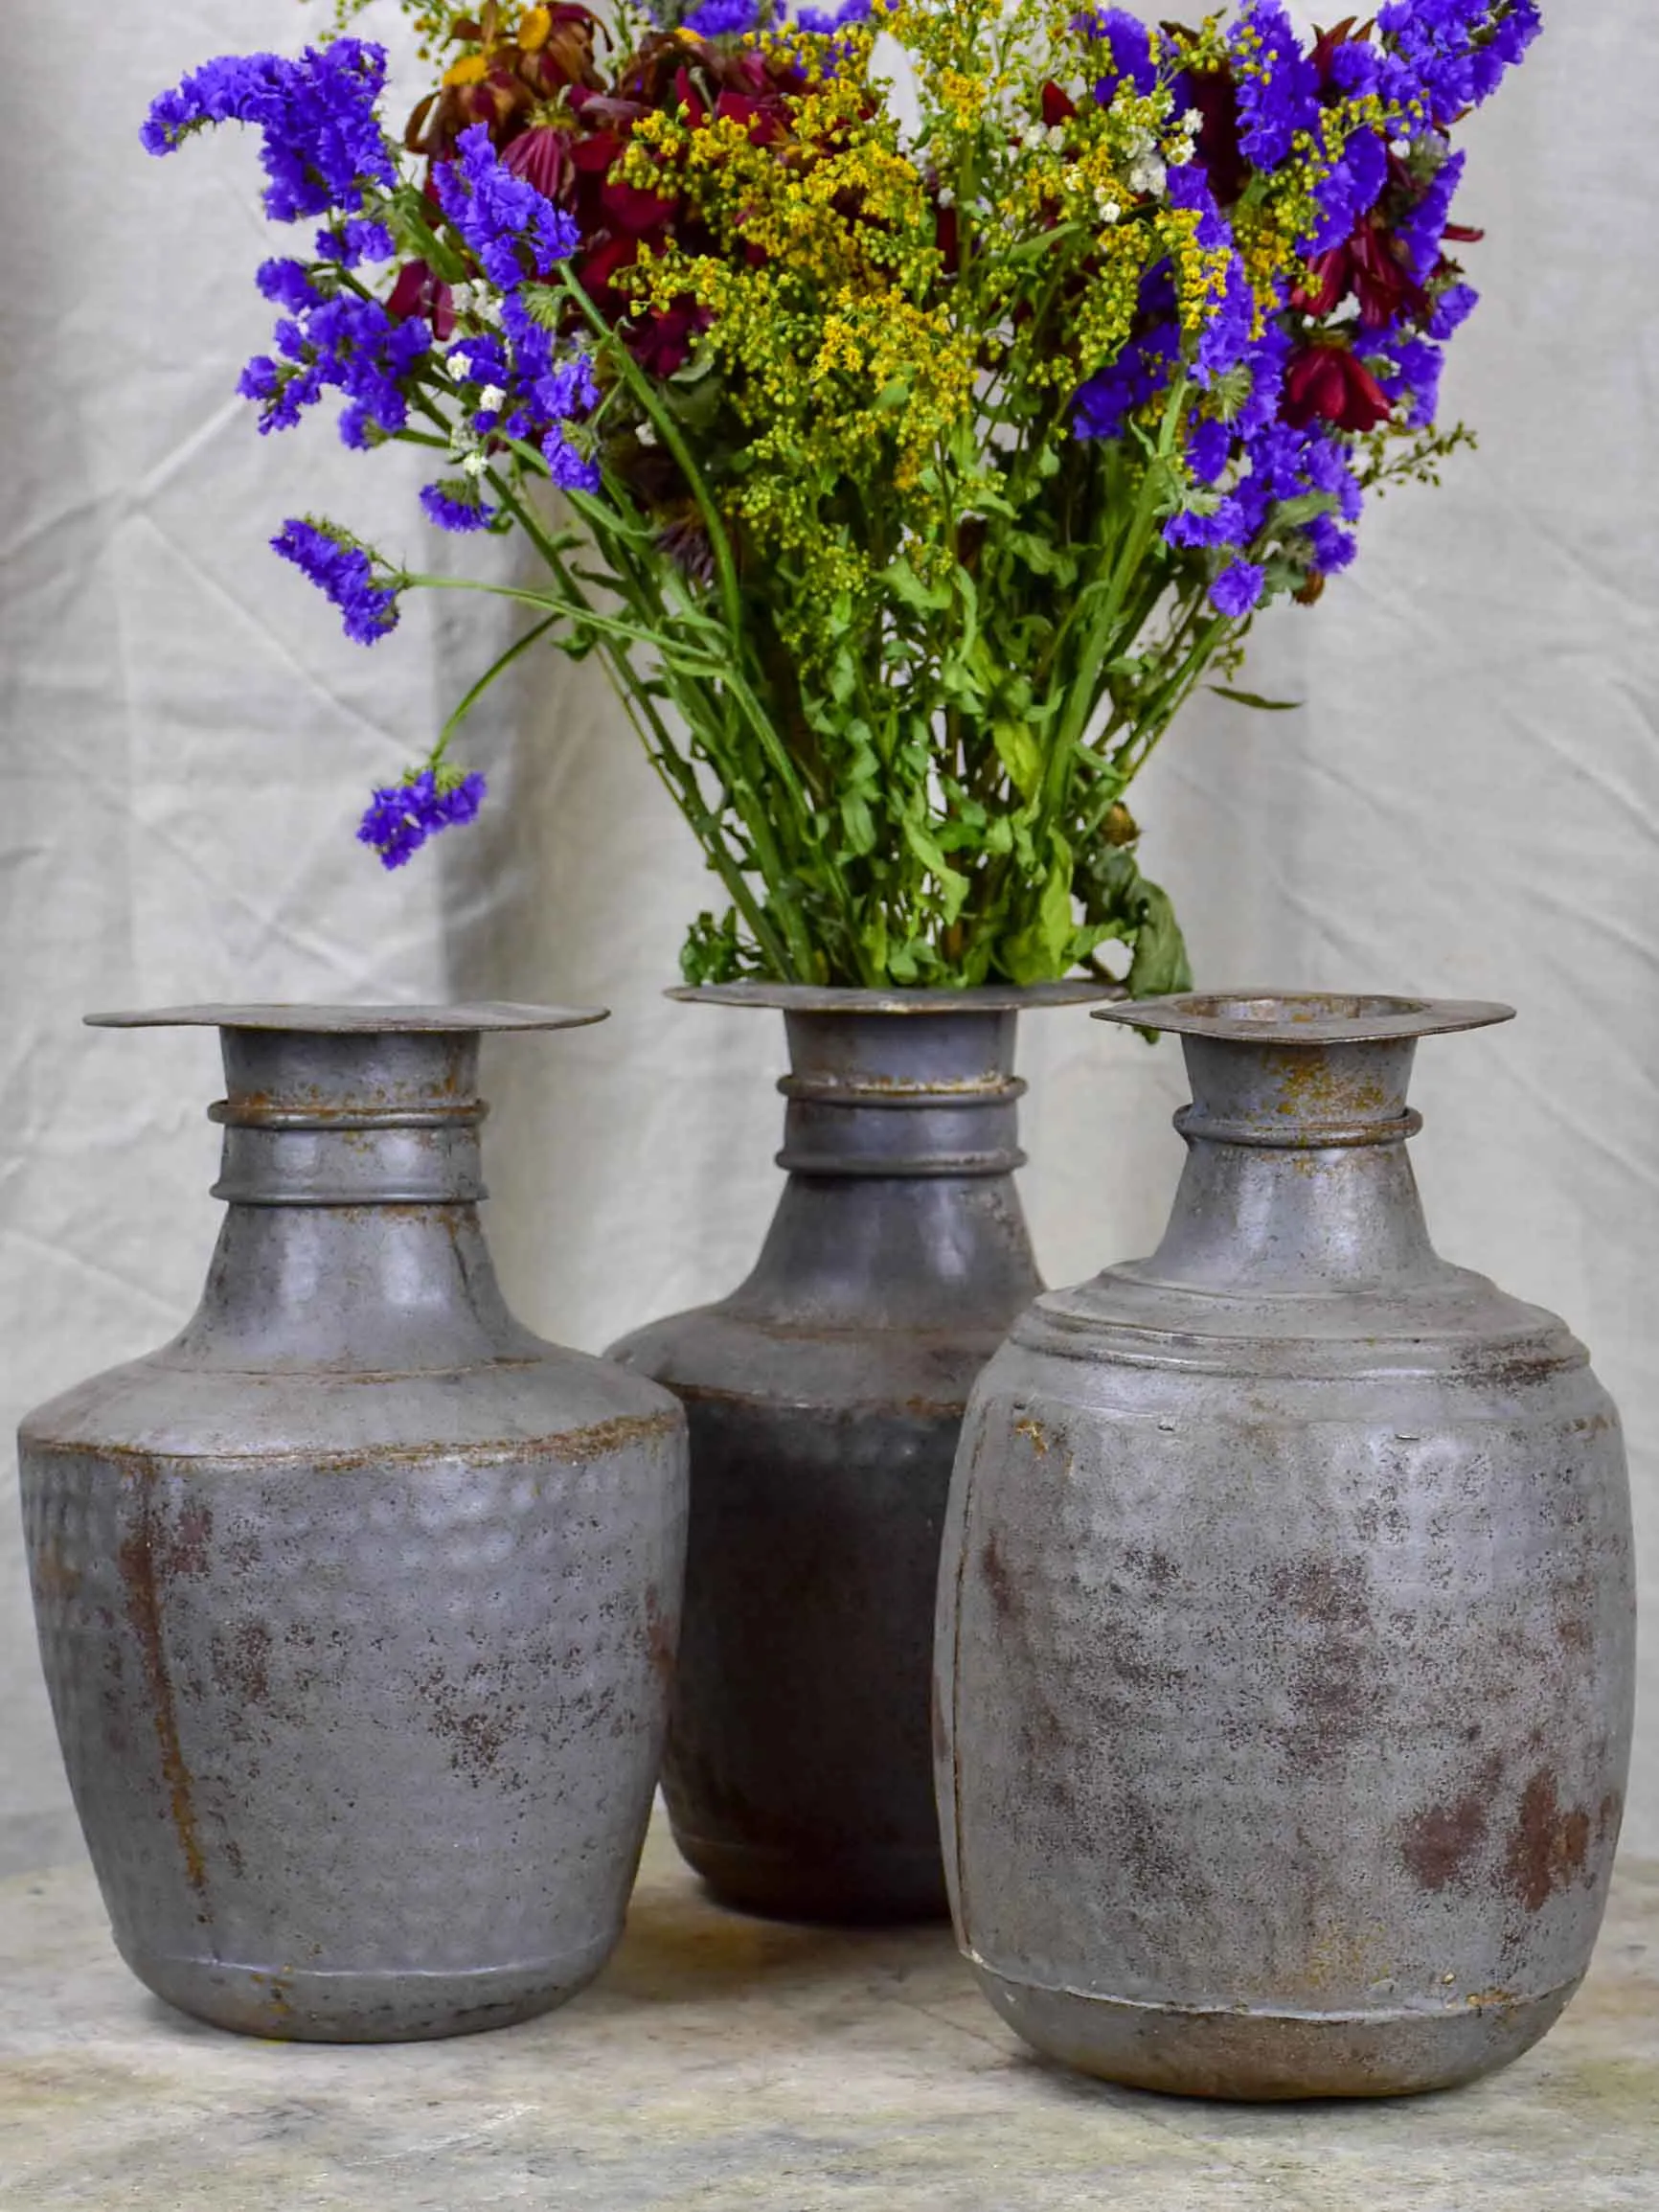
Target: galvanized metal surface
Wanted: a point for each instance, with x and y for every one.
(1285, 1638)
(357, 1601)
(723, 2063)
(824, 1399)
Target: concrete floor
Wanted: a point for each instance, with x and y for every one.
(727, 2063)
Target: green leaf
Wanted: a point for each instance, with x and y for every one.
(1160, 965)
(1294, 514)
(906, 586)
(953, 887)
(1021, 756)
(1255, 700)
(1038, 952)
(860, 824)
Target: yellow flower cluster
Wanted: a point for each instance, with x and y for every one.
(827, 324)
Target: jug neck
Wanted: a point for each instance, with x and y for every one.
(900, 1140)
(352, 1179)
(1297, 1177)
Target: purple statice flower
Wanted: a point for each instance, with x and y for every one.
(1335, 548)
(1410, 373)
(1324, 466)
(457, 505)
(1188, 188)
(1452, 310)
(723, 19)
(1279, 463)
(1278, 84)
(287, 284)
(1208, 450)
(570, 469)
(1442, 57)
(1229, 328)
(1227, 525)
(401, 818)
(1354, 67)
(501, 217)
(1351, 190)
(1422, 233)
(534, 388)
(344, 572)
(823, 22)
(1131, 45)
(479, 361)
(323, 142)
(1238, 590)
(333, 342)
(362, 238)
(1267, 359)
(1105, 401)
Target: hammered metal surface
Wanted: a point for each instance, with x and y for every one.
(1286, 1641)
(824, 1399)
(357, 1603)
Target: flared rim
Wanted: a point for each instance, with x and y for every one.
(1309, 1017)
(488, 1014)
(825, 999)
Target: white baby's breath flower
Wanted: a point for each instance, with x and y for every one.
(492, 399)
(474, 465)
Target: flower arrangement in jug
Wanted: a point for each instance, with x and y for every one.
(908, 404)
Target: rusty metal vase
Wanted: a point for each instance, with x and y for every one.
(1285, 1636)
(824, 1396)
(357, 1601)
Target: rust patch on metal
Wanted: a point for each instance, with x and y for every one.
(1548, 1846)
(476, 1729)
(997, 1580)
(243, 1661)
(609, 1436)
(578, 1444)
(53, 1575)
(916, 1408)
(147, 1562)
(659, 1636)
(1330, 1658)
(1315, 1087)
(1440, 1845)
(1035, 1435)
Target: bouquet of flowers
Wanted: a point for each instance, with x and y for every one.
(909, 404)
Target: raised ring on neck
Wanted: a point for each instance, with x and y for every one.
(874, 1094)
(1301, 1071)
(351, 1106)
(897, 1085)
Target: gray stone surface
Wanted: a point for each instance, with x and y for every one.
(722, 2062)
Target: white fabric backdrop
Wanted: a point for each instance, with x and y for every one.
(1466, 803)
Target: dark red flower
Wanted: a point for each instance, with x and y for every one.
(1330, 383)
(664, 342)
(597, 268)
(631, 208)
(418, 292)
(542, 157)
(1369, 265)
(1058, 105)
(1325, 50)
(1216, 97)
